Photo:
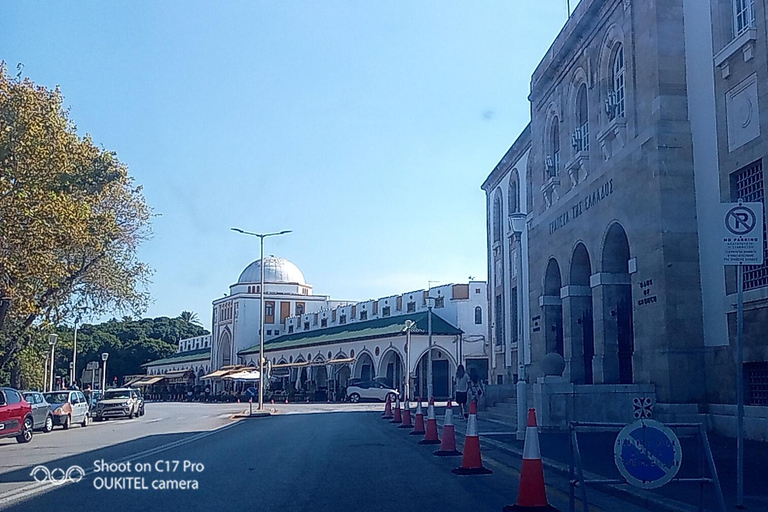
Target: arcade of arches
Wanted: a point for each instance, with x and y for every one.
(587, 314)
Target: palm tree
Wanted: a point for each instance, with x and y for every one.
(189, 317)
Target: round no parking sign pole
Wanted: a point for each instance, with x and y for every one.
(742, 237)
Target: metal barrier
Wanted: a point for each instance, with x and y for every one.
(576, 470)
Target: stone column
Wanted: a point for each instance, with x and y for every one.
(607, 289)
(576, 300)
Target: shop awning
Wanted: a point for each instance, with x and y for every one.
(148, 382)
(134, 380)
(224, 370)
(244, 375)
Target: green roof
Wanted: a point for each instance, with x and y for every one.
(183, 357)
(376, 328)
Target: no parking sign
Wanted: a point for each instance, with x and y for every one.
(647, 454)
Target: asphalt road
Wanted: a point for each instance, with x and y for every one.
(305, 458)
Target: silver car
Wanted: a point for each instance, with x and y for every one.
(117, 403)
(41, 410)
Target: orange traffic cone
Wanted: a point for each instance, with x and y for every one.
(286, 400)
(406, 415)
(418, 426)
(472, 462)
(448, 446)
(431, 434)
(397, 417)
(531, 495)
(387, 408)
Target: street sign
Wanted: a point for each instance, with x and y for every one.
(93, 365)
(647, 454)
(742, 233)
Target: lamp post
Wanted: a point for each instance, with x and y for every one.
(517, 224)
(261, 237)
(52, 339)
(408, 326)
(73, 376)
(430, 305)
(104, 357)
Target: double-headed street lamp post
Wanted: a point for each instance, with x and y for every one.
(52, 339)
(261, 237)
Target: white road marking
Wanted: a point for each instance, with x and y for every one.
(35, 488)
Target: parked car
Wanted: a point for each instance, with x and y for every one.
(15, 416)
(41, 410)
(117, 403)
(69, 407)
(140, 395)
(370, 390)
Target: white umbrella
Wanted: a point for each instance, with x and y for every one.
(246, 375)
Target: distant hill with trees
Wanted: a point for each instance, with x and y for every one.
(129, 342)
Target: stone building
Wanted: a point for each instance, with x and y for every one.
(645, 115)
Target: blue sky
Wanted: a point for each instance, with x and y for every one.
(365, 127)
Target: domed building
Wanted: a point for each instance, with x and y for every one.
(315, 345)
(236, 315)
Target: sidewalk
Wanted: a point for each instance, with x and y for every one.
(597, 456)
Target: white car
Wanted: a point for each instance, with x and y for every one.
(370, 390)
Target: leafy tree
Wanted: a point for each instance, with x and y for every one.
(71, 219)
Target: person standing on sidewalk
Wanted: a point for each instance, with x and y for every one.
(475, 386)
(462, 388)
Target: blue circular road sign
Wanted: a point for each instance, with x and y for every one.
(647, 454)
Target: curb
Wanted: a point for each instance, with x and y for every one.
(630, 494)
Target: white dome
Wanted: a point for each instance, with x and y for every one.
(276, 270)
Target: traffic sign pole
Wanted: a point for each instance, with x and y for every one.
(740, 386)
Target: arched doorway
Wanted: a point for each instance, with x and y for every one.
(443, 369)
(617, 307)
(582, 335)
(553, 308)
(391, 369)
(225, 349)
(364, 367)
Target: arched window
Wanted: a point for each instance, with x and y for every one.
(478, 315)
(555, 142)
(617, 78)
(497, 218)
(581, 139)
(514, 200)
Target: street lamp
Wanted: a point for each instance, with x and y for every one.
(517, 225)
(261, 237)
(73, 378)
(104, 357)
(52, 339)
(408, 326)
(430, 305)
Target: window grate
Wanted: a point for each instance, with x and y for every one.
(749, 186)
(744, 13)
(757, 383)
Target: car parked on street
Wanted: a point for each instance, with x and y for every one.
(15, 416)
(370, 390)
(117, 403)
(41, 410)
(69, 407)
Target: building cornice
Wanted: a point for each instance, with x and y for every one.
(510, 159)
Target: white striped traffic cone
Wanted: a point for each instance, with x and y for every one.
(472, 461)
(448, 444)
(406, 415)
(531, 495)
(418, 425)
(431, 435)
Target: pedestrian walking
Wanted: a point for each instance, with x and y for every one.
(475, 385)
(462, 388)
